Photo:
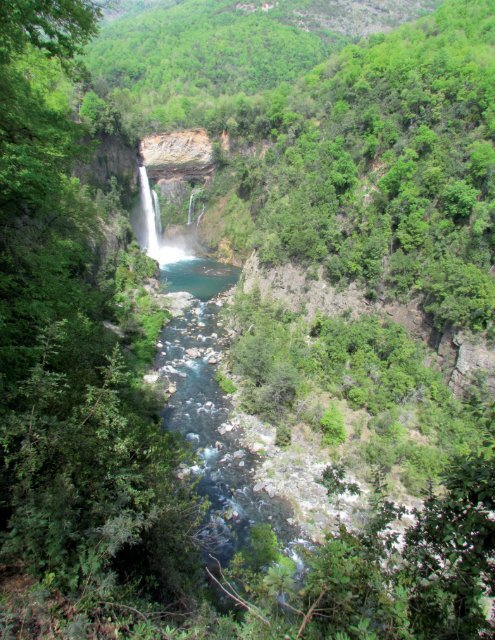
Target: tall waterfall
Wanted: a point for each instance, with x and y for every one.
(190, 212)
(152, 245)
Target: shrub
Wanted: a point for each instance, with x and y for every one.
(332, 425)
(225, 383)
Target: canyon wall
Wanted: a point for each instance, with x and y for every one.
(461, 356)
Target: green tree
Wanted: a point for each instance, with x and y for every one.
(450, 552)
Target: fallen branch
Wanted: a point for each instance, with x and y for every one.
(311, 612)
(233, 595)
(124, 606)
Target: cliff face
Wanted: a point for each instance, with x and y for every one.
(112, 156)
(182, 154)
(461, 356)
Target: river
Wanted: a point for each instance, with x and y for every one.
(191, 347)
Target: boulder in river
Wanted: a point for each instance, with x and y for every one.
(193, 352)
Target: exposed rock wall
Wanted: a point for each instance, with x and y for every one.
(461, 356)
(182, 154)
(112, 156)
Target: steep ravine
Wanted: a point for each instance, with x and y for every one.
(242, 446)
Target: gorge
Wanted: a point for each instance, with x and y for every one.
(247, 320)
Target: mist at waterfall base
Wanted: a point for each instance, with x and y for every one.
(199, 408)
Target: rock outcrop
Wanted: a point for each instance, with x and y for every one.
(473, 358)
(182, 154)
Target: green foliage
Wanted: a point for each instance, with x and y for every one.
(459, 294)
(262, 548)
(373, 364)
(333, 479)
(212, 51)
(268, 355)
(59, 27)
(279, 578)
(376, 361)
(87, 476)
(100, 116)
(386, 152)
(225, 382)
(448, 553)
(332, 426)
(239, 225)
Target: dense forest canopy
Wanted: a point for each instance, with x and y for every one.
(387, 153)
(166, 64)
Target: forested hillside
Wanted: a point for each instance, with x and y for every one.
(373, 171)
(385, 180)
(166, 64)
(391, 166)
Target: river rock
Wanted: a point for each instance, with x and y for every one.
(151, 378)
(172, 388)
(177, 302)
(270, 489)
(239, 454)
(212, 361)
(193, 352)
(225, 428)
(256, 447)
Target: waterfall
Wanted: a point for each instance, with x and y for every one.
(164, 252)
(152, 245)
(190, 212)
(158, 218)
(200, 216)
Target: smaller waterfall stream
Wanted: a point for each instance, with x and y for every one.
(200, 216)
(190, 212)
(158, 218)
